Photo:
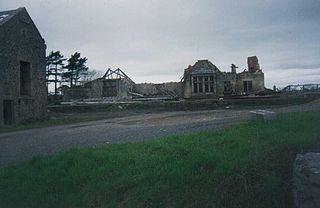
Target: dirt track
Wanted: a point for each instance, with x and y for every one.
(23, 145)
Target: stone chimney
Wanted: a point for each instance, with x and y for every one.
(253, 64)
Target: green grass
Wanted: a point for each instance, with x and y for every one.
(247, 165)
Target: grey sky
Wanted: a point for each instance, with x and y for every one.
(153, 41)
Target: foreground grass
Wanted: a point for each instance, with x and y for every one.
(248, 165)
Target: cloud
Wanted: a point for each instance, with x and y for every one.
(153, 41)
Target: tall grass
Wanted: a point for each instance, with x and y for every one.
(247, 165)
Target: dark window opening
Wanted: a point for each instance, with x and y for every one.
(8, 112)
(200, 80)
(211, 84)
(206, 87)
(227, 86)
(195, 88)
(206, 84)
(203, 84)
(211, 87)
(247, 86)
(195, 85)
(25, 78)
(200, 88)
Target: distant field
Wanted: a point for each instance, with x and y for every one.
(247, 165)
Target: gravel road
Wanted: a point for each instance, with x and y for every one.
(23, 145)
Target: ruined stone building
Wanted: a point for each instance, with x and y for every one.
(202, 80)
(113, 84)
(116, 85)
(23, 94)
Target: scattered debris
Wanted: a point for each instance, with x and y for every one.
(263, 115)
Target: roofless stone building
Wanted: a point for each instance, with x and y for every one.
(23, 94)
(202, 80)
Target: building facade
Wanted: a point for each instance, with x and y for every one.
(202, 80)
(205, 80)
(23, 94)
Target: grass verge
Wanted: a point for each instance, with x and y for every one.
(247, 165)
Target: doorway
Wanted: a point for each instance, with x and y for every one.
(8, 112)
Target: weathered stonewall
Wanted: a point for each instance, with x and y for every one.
(263, 115)
(306, 178)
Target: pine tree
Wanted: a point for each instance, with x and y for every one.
(55, 68)
(76, 68)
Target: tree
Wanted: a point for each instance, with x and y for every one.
(76, 69)
(90, 75)
(55, 68)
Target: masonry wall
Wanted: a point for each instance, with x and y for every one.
(122, 89)
(219, 85)
(221, 80)
(75, 93)
(306, 180)
(95, 90)
(96, 87)
(187, 91)
(20, 41)
(256, 78)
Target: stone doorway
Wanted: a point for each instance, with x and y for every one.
(8, 112)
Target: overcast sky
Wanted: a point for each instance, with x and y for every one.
(155, 40)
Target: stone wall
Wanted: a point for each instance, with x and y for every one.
(253, 64)
(21, 41)
(187, 90)
(96, 89)
(75, 93)
(306, 179)
(222, 78)
(256, 78)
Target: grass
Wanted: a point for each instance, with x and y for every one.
(247, 165)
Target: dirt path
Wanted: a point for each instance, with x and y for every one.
(23, 145)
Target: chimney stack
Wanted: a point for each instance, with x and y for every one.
(253, 64)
